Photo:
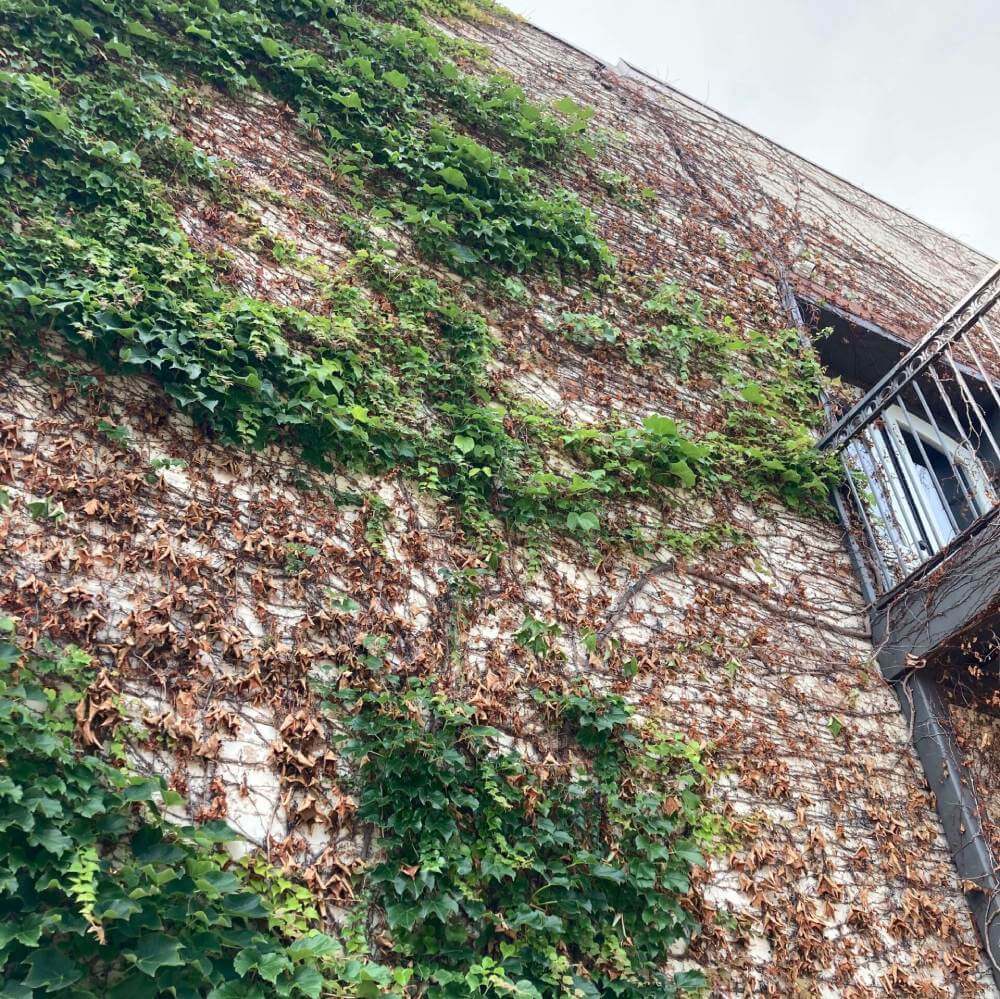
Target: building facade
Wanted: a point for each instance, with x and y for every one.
(835, 665)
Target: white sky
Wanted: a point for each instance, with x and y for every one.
(901, 97)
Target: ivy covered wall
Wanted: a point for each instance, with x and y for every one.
(405, 457)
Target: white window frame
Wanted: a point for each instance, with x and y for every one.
(900, 487)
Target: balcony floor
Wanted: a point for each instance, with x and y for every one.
(945, 603)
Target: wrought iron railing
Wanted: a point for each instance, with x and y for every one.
(921, 449)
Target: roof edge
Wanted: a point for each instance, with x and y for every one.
(631, 71)
(643, 76)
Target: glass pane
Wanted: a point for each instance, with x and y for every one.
(947, 474)
(897, 529)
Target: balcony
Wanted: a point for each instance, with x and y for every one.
(921, 490)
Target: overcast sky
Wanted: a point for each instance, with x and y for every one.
(901, 97)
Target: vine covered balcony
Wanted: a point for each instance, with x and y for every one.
(921, 456)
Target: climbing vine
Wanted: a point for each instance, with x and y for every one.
(499, 876)
(101, 896)
(455, 192)
(497, 869)
(357, 383)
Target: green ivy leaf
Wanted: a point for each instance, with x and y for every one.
(157, 950)
(662, 426)
(51, 970)
(153, 79)
(246, 904)
(683, 472)
(586, 522)
(454, 177)
(142, 790)
(690, 980)
(15, 990)
(350, 100)
(569, 107)
(272, 966)
(83, 28)
(609, 873)
(396, 80)
(59, 120)
(53, 839)
(309, 982)
(140, 30)
(690, 855)
(198, 30)
(462, 254)
(246, 960)
(19, 289)
(270, 46)
(313, 945)
(122, 49)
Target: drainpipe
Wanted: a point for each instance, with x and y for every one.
(926, 715)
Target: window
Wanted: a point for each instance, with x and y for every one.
(926, 487)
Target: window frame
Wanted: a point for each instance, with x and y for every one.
(922, 533)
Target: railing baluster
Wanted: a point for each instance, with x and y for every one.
(985, 327)
(959, 426)
(959, 320)
(987, 380)
(942, 444)
(931, 472)
(971, 399)
(886, 578)
(890, 521)
(910, 500)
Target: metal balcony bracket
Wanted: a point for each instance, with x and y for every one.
(950, 597)
(962, 317)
